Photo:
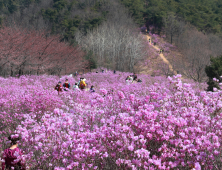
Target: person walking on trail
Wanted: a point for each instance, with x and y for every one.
(66, 85)
(92, 89)
(58, 87)
(76, 87)
(149, 40)
(114, 71)
(12, 157)
(82, 84)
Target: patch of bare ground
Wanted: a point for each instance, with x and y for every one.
(167, 63)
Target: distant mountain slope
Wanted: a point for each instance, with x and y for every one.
(60, 16)
(67, 16)
(110, 38)
(102, 29)
(206, 15)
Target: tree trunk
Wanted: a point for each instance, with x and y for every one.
(20, 72)
(11, 72)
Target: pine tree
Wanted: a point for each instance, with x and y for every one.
(214, 70)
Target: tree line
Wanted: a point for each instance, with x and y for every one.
(205, 15)
(197, 39)
(102, 28)
(63, 17)
(33, 52)
(117, 43)
(105, 32)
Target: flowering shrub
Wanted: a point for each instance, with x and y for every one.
(26, 95)
(161, 123)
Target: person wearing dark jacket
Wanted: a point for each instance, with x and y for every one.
(66, 85)
(12, 156)
(134, 77)
(139, 81)
(92, 89)
(58, 87)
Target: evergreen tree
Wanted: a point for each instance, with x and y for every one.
(136, 9)
(214, 70)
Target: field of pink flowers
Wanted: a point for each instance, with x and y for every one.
(161, 123)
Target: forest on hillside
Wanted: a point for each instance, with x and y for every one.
(204, 14)
(59, 16)
(194, 27)
(107, 22)
(67, 16)
(106, 34)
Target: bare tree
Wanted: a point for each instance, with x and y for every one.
(116, 43)
(194, 47)
(115, 47)
(22, 52)
(215, 44)
(173, 27)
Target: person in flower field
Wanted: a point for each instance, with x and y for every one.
(80, 80)
(134, 77)
(139, 81)
(76, 73)
(12, 157)
(82, 84)
(66, 85)
(92, 89)
(58, 87)
(76, 87)
(127, 78)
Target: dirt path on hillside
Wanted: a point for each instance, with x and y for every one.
(161, 55)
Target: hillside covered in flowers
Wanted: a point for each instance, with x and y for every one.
(160, 123)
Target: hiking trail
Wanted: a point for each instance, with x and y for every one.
(161, 55)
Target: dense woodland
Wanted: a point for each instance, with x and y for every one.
(67, 16)
(60, 16)
(204, 14)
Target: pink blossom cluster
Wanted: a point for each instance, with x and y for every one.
(161, 123)
(26, 95)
